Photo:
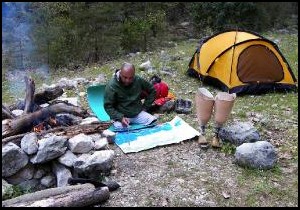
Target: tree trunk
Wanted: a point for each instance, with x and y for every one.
(83, 195)
(26, 122)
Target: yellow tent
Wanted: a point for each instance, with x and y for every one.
(242, 62)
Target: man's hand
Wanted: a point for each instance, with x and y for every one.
(125, 122)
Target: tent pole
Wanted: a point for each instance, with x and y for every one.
(236, 31)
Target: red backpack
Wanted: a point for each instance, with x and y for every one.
(162, 90)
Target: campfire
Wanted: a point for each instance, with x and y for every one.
(68, 149)
(51, 122)
(58, 116)
(39, 128)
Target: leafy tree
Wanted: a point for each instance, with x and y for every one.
(75, 33)
(97, 27)
(143, 26)
(52, 32)
(280, 14)
(255, 16)
(71, 34)
(220, 16)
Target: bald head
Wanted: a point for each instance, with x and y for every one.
(127, 73)
(126, 66)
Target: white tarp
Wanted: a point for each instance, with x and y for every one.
(171, 132)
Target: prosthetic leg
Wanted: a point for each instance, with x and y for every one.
(204, 107)
(223, 106)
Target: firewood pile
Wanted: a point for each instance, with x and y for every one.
(50, 142)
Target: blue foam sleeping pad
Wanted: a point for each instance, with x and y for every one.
(95, 97)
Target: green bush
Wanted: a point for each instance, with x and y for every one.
(228, 15)
(139, 33)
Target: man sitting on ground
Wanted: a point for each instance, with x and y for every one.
(122, 98)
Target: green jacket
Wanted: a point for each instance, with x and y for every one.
(121, 101)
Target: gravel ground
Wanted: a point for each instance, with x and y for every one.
(173, 175)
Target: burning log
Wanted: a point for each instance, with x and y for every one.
(6, 113)
(70, 196)
(13, 139)
(69, 131)
(39, 127)
(48, 95)
(44, 119)
(30, 88)
(26, 122)
(95, 127)
(40, 97)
